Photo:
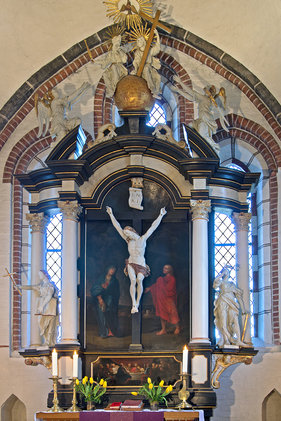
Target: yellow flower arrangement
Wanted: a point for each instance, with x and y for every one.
(153, 392)
(91, 390)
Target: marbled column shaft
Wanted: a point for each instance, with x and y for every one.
(37, 222)
(69, 301)
(200, 288)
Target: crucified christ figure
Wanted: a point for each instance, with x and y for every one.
(135, 266)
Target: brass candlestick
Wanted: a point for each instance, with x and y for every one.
(55, 407)
(184, 393)
(74, 407)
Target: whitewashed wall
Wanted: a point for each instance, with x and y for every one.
(36, 32)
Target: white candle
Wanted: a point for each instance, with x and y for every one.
(54, 363)
(75, 365)
(184, 360)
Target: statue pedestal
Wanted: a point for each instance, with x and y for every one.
(135, 121)
(231, 347)
(136, 345)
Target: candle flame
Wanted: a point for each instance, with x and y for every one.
(185, 347)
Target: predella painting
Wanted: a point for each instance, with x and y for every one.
(164, 306)
(134, 371)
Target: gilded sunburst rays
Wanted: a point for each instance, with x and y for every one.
(115, 31)
(128, 12)
(138, 31)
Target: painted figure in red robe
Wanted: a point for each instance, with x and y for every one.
(164, 295)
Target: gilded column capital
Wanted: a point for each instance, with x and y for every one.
(241, 220)
(200, 209)
(70, 210)
(37, 222)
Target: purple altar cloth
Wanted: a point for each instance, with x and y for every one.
(121, 416)
(148, 416)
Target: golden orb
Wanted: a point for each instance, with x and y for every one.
(133, 94)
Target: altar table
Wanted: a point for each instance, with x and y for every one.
(145, 415)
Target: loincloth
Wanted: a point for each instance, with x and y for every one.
(144, 270)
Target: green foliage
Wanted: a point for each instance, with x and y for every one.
(154, 393)
(91, 390)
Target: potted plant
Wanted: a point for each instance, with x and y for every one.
(91, 390)
(154, 393)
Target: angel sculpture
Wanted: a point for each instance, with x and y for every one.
(152, 65)
(114, 66)
(210, 106)
(52, 109)
(47, 307)
(227, 306)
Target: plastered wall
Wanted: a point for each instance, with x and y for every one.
(36, 32)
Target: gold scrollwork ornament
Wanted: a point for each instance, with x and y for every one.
(225, 361)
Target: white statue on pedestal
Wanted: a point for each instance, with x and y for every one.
(52, 108)
(136, 267)
(208, 105)
(47, 307)
(152, 65)
(113, 64)
(226, 310)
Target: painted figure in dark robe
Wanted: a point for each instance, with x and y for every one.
(106, 294)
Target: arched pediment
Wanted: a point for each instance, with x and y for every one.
(132, 153)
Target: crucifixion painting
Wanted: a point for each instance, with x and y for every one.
(136, 267)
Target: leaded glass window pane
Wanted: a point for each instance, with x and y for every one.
(53, 255)
(156, 116)
(53, 252)
(225, 253)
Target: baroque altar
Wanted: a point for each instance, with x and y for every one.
(137, 208)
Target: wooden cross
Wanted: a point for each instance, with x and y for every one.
(12, 279)
(155, 23)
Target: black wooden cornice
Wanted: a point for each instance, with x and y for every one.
(66, 147)
(198, 168)
(37, 180)
(71, 169)
(61, 165)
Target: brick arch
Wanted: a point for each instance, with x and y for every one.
(102, 107)
(169, 68)
(229, 75)
(20, 157)
(20, 163)
(31, 145)
(77, 56)
(58, 76)
(254, 134)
